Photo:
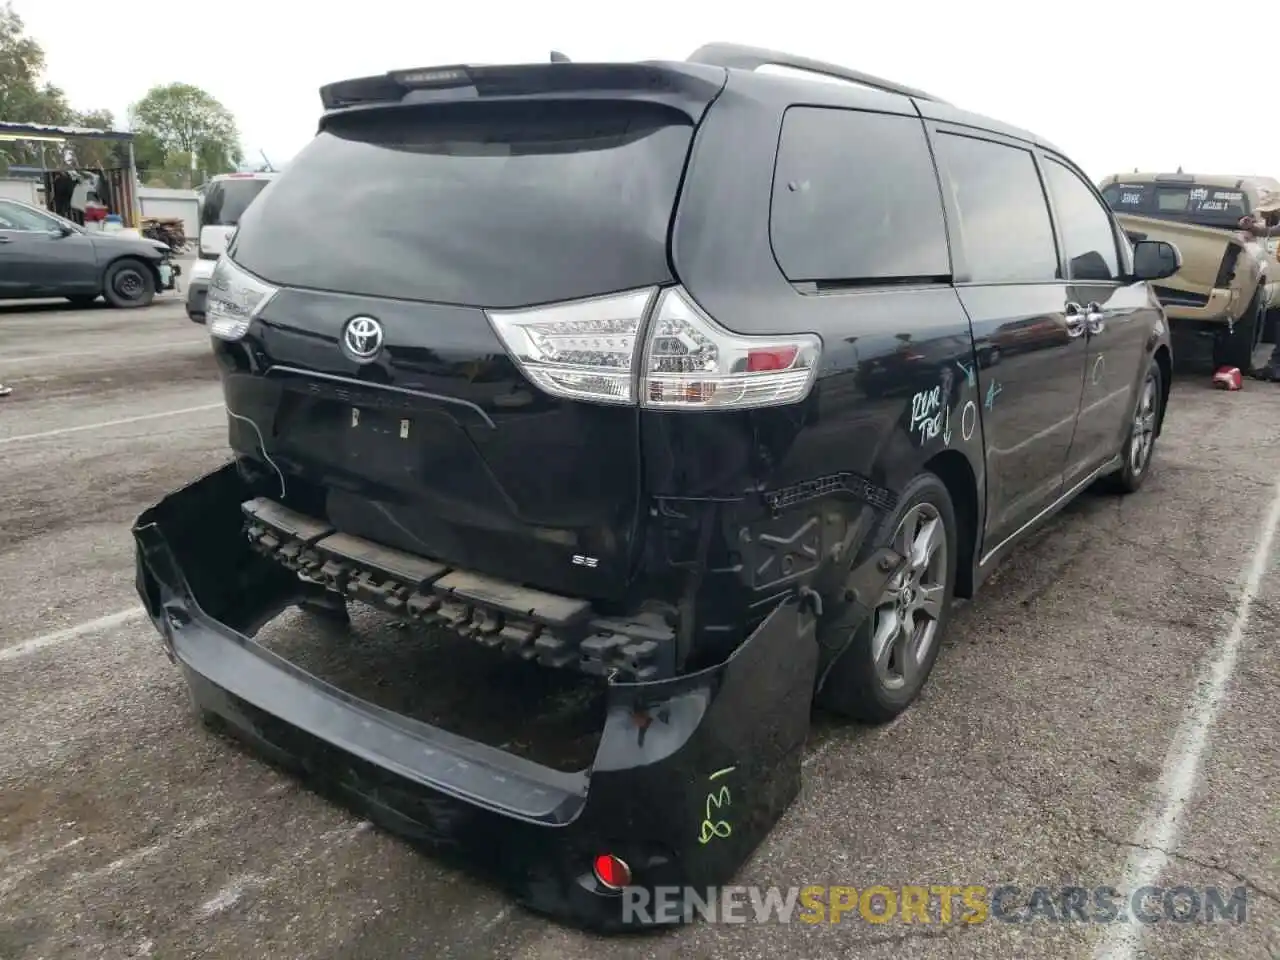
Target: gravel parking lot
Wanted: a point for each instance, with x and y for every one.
(1105, 714)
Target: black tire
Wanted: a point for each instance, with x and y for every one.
(128, 284)
(1143, 429)
(82, 300)
(1235, 349)
(1271, 325)
(853, 687)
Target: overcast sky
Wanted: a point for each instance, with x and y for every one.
(1091, 77)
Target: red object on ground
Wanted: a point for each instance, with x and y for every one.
(1228, 378)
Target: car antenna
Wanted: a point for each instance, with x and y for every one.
(558, 57)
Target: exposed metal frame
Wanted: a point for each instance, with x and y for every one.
(737, 56)
(52, 133)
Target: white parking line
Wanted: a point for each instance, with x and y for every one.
(165, 347)
(108, 423)
(1182, 765)
(70, 633)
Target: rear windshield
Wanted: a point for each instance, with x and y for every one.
(226, 200)
(492, 205)
(1210, 206)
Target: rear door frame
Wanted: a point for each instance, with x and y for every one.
(1094, 353)
(986, 549)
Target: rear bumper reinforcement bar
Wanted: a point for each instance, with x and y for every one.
(554, 630)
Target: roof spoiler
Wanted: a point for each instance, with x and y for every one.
(736, 56)
(688, 87)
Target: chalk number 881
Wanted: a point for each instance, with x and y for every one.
(716, 801)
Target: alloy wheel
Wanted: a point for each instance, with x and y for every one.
(1143, 433)
(905, 623)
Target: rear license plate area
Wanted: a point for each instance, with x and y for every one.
(381, 444)
(376, 434)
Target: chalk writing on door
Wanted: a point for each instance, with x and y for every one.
(926, 413)
(993, 391)
(968, 420)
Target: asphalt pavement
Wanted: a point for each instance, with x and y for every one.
(1104, 714)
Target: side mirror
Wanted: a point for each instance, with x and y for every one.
(1155, 260)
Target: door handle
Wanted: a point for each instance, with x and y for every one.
(1095, 319)
(6, 239)
(1076, 320)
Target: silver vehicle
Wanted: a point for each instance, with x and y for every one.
(223, 201)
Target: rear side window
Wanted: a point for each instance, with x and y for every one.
(483, 204)
(1087, 232)
(1200, 201)
(1128, 197)
(226, 201)
(1004, 221)
(855, 197)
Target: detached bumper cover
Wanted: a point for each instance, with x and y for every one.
(649, 797)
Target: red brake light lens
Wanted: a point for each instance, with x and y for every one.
(612, 872)
(778, 358)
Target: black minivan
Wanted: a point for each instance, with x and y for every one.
(714, 384)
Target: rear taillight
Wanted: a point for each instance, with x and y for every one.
(583, 350)
(655, 348)
(1227, 269)
(235, 297)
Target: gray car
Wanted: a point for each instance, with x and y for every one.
(44, 255)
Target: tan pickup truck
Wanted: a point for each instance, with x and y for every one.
(1229, 284)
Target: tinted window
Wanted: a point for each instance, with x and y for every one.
(226, 201)
(1004, 221)
(855, 197)
(485, 204)
(1201, 201)
(1128, 197)
(1085, 224)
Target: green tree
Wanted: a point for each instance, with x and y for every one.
(183, 119)
(96, 154)
(24, 96)
(148, 152)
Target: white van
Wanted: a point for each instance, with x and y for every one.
(223, 201)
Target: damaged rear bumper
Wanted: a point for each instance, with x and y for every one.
(690, 774)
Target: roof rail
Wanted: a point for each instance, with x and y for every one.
(751, 58)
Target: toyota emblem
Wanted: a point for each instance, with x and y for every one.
(362, 337)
